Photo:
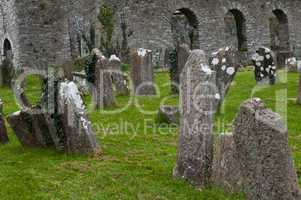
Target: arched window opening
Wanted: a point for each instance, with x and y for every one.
(280, 43)
(7, 50)
(235, 30)
(184, 25)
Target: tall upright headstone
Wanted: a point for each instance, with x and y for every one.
(225, 63)
(198, 102)
(265, 68)
(3, 131)
(102, 92)
(142, 72)
(264, 155)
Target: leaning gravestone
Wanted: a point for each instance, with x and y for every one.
(102, 92)
(265, 69)
(61, 123)
(182, 54)
(142, 72)
(224, 62)
(265, 159)
(118, 77)
(195, 147)
(75, 124)
(3, 131)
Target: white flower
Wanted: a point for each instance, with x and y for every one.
(258, 64)
(268, 56)
(217, 96)
(230, 71)
(224, 67)
(224, 60)
(215, 61)
(262, 69)
(260, 58)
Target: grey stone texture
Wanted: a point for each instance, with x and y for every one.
(182, 54)
(265, 68)
(102, 91)
(226, 172)
(225, 63)
(60, 121)
(142, 72)
(150, 23)
(119, 78)
(195, 146)
(78, 134)
(265, 158)
(3, 131)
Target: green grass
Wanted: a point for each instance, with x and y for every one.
(136, 164)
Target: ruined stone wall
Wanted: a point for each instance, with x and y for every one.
(149, 20)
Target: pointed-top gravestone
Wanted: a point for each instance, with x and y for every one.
(142, 72)
(198, 102)
(264, 155)
(265, 68)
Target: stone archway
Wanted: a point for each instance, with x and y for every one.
(184, 26)
(6, 68)
(280, 41)
(235, 30)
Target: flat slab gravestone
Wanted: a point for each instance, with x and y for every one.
(195, 146)
(261, 141)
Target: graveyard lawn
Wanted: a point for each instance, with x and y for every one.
(136, 164)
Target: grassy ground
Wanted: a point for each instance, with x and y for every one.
(138, 159)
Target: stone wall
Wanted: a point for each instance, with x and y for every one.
(149, 20)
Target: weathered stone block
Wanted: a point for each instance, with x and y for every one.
(32, 130)
(182, 54)
(195, 147)
(118, 77)
(102, 92)
(77, 129)
(226, 171)
(142, 72)
(265, 159)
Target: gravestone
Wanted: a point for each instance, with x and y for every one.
(264, 155)
(3, 131)
(78, 134)
(6, 73)
(102, 92)
(265, 68)
(118, 77)
(224, 62)
(142, 72)
(182, 54)
(226, 171)
(60, 121)
(195, 147)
